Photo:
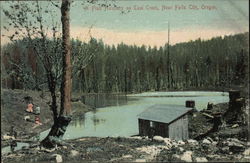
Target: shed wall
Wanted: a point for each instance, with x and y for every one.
(161, 129)
(144, 126)
(178, 130)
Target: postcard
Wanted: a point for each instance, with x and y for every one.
(125, 80)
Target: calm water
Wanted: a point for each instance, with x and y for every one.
(104, 100)
(117, 115)
(121, 119)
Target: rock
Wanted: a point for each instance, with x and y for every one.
(200, 159)
(82, 139)
(127, 156)
(235, 125)
(168, 142)
(214, 143)
(191, 141)
(206, 141)
(181, 149)
(74, 153)
(246, 152)
(7, 137)
(64, 147)
(174, 144)
(37, 148)
(140, 160)
(180, 142)
(187, 156)
(58, 157)
(176, 156)
(136, 137)
(158, 138)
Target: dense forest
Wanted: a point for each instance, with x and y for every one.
(220, 62)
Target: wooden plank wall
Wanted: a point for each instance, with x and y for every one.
(144, 126)
(178, 130)
(161, 129)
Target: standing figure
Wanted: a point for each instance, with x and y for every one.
(37, 110)
(30, 107)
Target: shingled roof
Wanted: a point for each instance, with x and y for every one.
(164, 113)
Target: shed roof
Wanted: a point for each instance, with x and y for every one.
(164, 113)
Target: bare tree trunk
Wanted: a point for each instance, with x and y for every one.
(67, 69)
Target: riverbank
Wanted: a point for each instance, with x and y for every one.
(13, 113)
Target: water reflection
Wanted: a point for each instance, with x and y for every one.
(102, 100)
(96, 120)
(78, 121)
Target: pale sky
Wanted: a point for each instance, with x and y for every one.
(147, 21)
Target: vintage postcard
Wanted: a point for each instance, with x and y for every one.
(125, 81)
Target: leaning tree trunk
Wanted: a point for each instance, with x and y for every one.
(63, 119)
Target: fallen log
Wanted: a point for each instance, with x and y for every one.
(217, 113)
(208, 115)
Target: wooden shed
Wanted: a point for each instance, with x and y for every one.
(166, 120)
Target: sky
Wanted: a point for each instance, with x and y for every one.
(145, 22)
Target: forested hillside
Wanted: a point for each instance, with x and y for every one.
(221, 62)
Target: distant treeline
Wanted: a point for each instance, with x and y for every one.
(218, 62)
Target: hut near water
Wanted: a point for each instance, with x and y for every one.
(166, 120)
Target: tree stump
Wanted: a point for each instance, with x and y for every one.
(233, 95)
(210, 106)
(56, 133)
(236, 103)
